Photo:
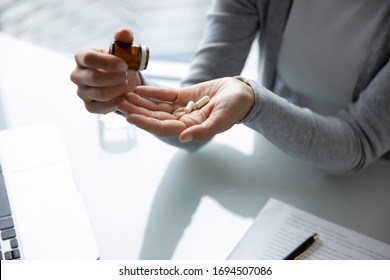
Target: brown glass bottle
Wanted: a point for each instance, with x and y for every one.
(135, 55)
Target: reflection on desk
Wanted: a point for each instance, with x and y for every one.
(155, 201)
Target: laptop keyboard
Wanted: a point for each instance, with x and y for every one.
(9, 249)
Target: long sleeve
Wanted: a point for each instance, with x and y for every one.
(230, 31)
(343, 143)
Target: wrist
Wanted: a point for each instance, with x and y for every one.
(248, 93)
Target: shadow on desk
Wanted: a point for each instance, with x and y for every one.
(243, 183)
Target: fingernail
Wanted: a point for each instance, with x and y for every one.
(122, 67)
(186, 139)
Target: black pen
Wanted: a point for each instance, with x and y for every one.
(302, 248)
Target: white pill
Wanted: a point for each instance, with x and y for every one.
(201, 102)
(190, 106)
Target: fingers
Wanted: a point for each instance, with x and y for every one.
(166, 117)
(140, 101)
(99, 59)
(97, 78)
(124, 35)
(98, 89)
(102, 94)
(102, 78)
(233, 100)
(214, 124)
(99, 81)
(158, 118)
(161, 123)
(101, 107)
(164, 127)
(163, 94)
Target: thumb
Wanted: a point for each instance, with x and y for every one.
(124, 35)
(215, 124)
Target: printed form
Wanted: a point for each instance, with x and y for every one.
(279, 228)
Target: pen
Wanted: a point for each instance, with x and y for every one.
(296, 253)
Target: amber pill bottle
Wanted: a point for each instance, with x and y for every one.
(135, 55)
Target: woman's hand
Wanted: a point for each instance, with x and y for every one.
(102, 78)
(230, 101)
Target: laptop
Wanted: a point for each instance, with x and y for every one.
(42, 216)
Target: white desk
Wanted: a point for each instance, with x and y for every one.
(147, 203)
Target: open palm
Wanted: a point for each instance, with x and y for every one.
(161, 111)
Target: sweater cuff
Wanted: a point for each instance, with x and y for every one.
(258, 105)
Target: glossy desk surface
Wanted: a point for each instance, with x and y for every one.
(154, 201)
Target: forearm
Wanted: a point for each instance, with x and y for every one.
(343, 143)
(231, 28)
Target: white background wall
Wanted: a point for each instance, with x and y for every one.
(169, 27)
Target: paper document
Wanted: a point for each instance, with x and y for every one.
(279, 228)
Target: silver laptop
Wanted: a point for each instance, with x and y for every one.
(42, 216)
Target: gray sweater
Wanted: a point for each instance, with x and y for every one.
(341, 143)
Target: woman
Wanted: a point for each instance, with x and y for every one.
(323, 95)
